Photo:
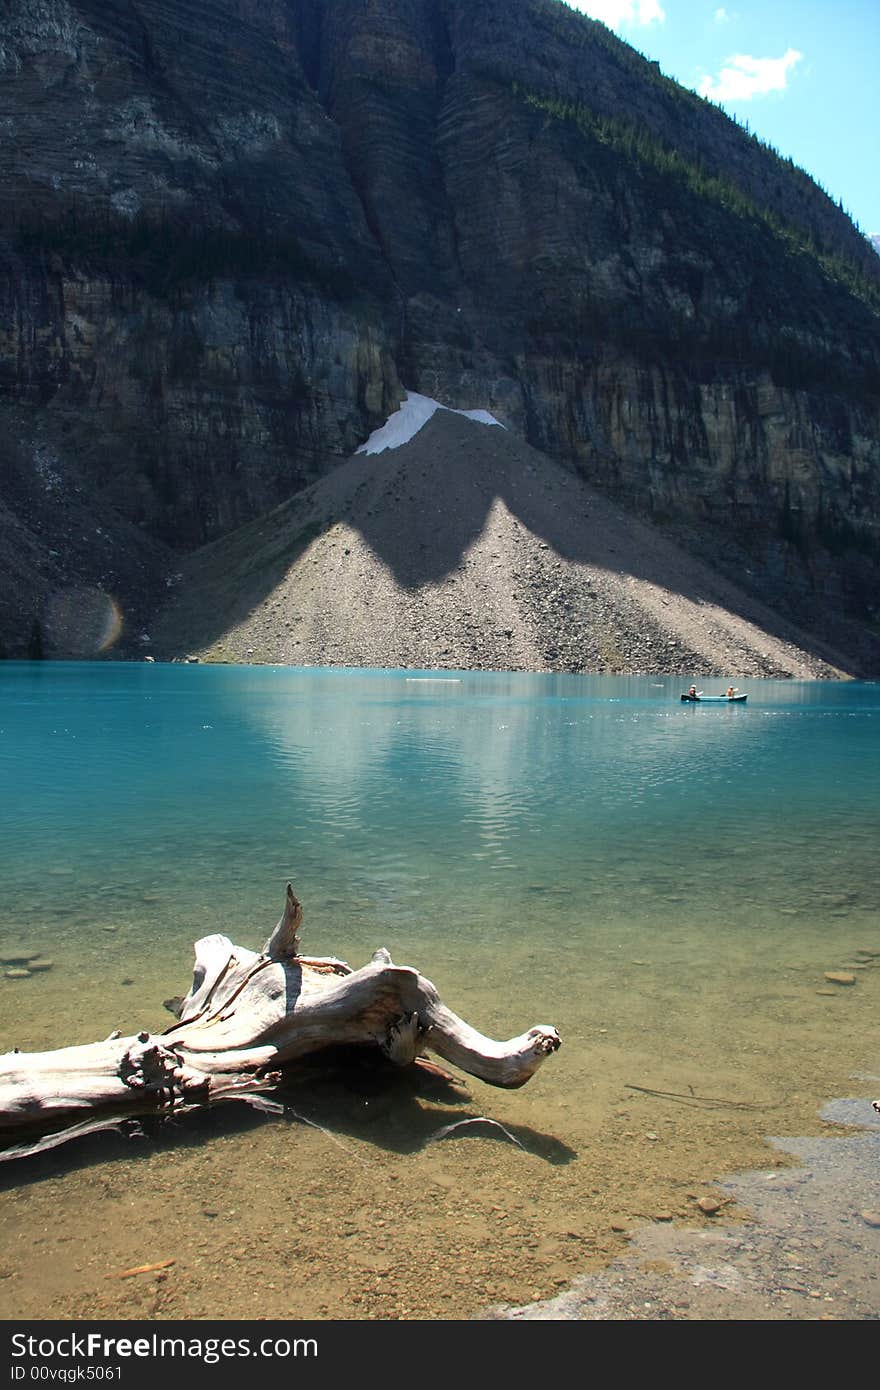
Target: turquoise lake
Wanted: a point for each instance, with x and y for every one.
(665, 883)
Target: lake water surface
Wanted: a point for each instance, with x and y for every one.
(665, 883)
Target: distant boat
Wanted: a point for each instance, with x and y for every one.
(701, 699)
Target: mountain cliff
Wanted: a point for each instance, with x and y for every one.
(233, 232)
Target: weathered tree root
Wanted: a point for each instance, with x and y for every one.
(246, 1017)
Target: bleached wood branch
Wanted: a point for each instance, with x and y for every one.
(248, 1015)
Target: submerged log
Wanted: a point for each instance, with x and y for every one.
(247, 1016)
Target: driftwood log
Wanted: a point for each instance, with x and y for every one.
(247, 1016)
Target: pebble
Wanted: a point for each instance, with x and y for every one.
(839, 977)
(18, 974)
(709, 1205)
(870, 1218)
(17, 955)
(40, 964)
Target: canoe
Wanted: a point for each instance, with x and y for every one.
(715, 699)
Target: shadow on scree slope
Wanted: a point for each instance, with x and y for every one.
(420, 507)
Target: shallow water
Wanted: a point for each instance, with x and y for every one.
(667, 884)
(809, 1250)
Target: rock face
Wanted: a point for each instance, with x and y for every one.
(231, 232)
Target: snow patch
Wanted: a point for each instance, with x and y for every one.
(406, 422)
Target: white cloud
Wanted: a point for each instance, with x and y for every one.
(721, 16)
(743, 77)
(620, 14)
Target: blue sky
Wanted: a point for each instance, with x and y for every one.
(805, 74)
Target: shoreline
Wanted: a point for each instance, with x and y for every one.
(807, 1246)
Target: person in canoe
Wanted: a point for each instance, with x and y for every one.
(731, 691)
(692, 693)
